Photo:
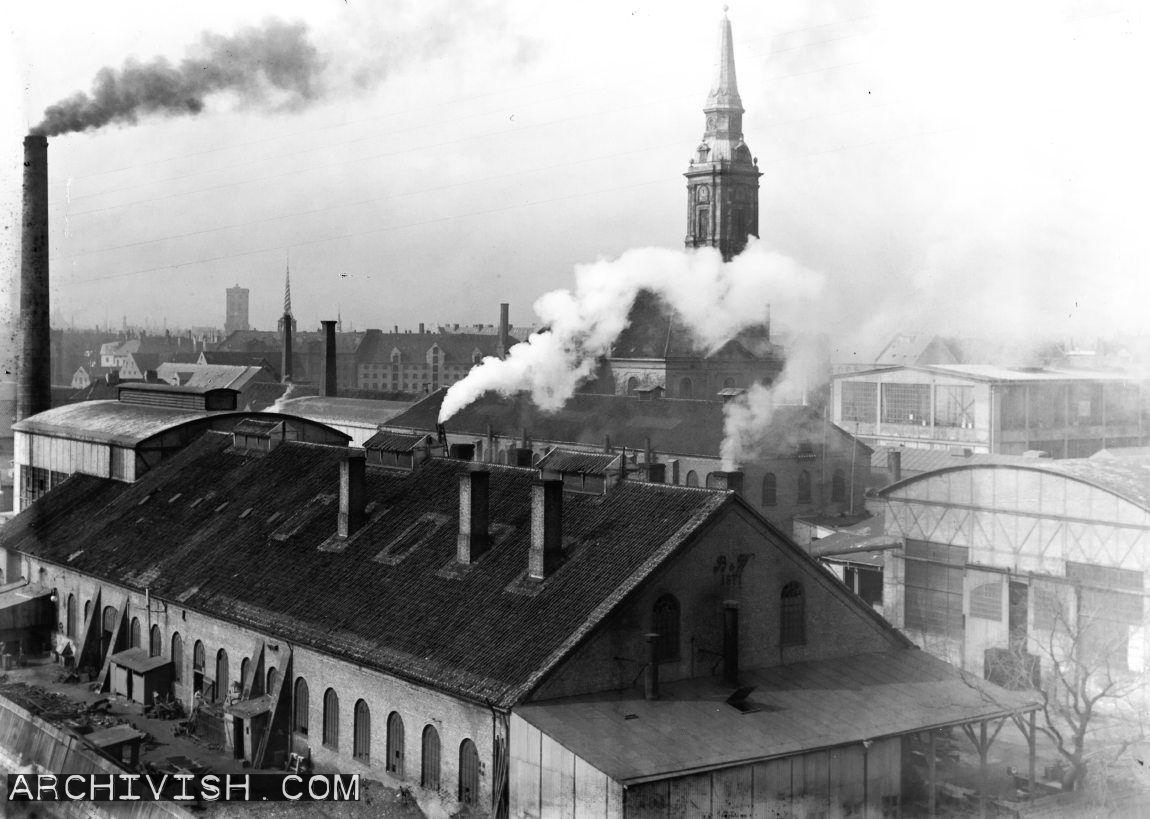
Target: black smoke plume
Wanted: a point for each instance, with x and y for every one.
(271, 66)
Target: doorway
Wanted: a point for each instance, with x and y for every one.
(238, 736)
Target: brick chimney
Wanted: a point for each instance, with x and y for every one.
(504, 329)
(328, 387)
(474, 515)
(34, 365)
(731, 642)
(546, 529)
(894, 465)
(727, 480)
(352, 492)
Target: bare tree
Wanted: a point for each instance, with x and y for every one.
(1080, 668)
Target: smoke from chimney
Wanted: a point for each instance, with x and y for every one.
(273, 66)
(715, 299)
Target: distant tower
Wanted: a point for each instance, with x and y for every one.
(236, 317)
(287, 329)
(723, 178)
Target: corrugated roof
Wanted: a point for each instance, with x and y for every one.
(995, 373)
(803, 706)
(1126, 478)
(675, 426)
(914, 460)
(586, 463)
(461, 632)
(110, 422)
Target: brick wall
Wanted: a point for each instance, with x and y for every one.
(735, 559)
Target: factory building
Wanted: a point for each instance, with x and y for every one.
(805, 465)
(992, 555)
(485, 637)
(124, 438)
(990, 409)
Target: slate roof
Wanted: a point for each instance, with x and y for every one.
(803, 706)
(208, 375)
(675, 426)
(347, 410)
(654, 330)
(586, 463)
(394, 441)
(243, 538)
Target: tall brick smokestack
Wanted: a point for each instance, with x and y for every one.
(33, 366)
(328, 388)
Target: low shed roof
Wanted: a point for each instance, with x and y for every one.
(801, 707)
(137, 659)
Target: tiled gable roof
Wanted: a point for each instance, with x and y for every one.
(231, 552)
(588, 463)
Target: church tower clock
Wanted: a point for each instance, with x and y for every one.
(723, 178)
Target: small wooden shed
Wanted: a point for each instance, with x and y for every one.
(138, 676)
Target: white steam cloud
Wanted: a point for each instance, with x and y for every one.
(714, 299)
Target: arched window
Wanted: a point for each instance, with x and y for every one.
(665, 623)
(770, 489)
(155, 642)
(273, 678)
(199, 656)
(632, 384)
(686, 388)
(134, 633)
(468, 773)
(838, 487)
(803, 493)
(87, 610)
(429, 759)
(70, 623)
(792, 616)
(692, 478)
(728, 383)
(222, 677)
(177, 657)
(331, 719)
(395, 743)
(301, 706)
(361, 733)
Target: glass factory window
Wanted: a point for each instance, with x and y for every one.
(933, 583)
(468, 773)
(272, 678)
(177, 657)
(686, 388)
(803, 487)
(692, 478)
(858, 401)
(395, 744)
(301, 706)
(770, 489)
(954, 406)
(134, 633)
(906, 404)
(199, 656)
(665, 623)
(792, 616)
(331, 719)
(1012, 406)
(361, 730)
(155, 642)
(838, 487)
(429, 759)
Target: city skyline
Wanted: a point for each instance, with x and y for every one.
(909, 158)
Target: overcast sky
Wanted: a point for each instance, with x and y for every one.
(977, 168)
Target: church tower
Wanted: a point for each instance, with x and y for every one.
(723, 178)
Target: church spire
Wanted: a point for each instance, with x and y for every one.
(287, 289)
(725, 91)
(723, 177)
